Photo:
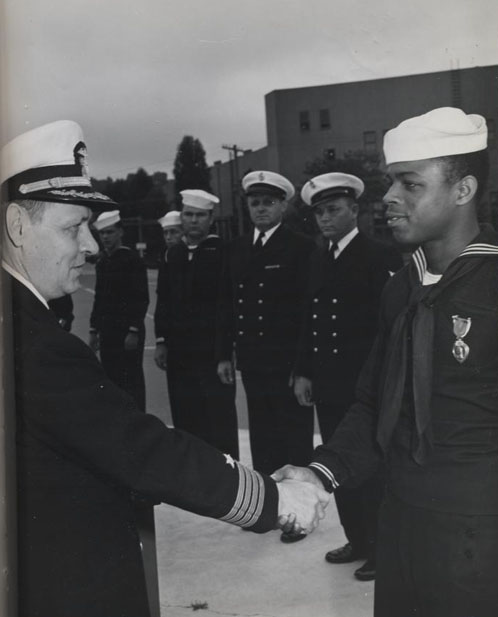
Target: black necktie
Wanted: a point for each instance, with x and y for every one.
(258, 245)
(332, 249)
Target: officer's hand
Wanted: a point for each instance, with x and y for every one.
(303, 391)
(94, 342)
(131, 341)
(161, 356)
(226, 372)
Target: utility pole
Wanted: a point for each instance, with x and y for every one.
(234, 151)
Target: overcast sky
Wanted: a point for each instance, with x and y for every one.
(138, 75)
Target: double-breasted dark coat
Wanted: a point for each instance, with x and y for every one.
(341, 314)
(84, 453)
(263, 295)
(339, 325)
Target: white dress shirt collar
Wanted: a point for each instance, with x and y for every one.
(268, 233)
(344, 241)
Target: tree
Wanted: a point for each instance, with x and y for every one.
(190, 168)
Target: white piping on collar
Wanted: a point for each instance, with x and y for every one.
(478, 248)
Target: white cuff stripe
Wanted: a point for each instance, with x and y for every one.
(250, 499)
(326, 472)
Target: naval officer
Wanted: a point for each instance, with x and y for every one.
(347, 273)
(263, 295)
(84, 449)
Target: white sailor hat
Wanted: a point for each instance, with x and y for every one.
(49, 163)
(445, 131)
(198, 198)
(320, 188)
(170, 219)
(268, 183)
(106, 219)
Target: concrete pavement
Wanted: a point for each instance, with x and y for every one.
(214, 569)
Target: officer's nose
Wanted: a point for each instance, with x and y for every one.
(87, 242)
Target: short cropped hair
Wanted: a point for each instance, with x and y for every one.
(35, 209)
(470, 164)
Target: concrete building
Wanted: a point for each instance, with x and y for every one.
(304, 124)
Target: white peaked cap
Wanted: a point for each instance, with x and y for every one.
(445, 131)
(50, 163)
(331, 185)
(267, 182)
(170, 219)
(197, 198)
(48, 145)
(106, 219)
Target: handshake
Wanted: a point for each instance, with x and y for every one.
(302, 499)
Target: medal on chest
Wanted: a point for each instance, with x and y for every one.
(461, 327)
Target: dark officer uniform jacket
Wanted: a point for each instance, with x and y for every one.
(185, 321)
(262, 301)
(341, 314)
(84, 451)
(339, 326)
(427, 399)
(121, 300)
(264, 295)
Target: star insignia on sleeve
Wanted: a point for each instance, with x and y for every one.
(391, 273)
(229, 460)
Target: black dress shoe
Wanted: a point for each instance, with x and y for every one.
(344, 554)
(366, 572)
(290, 537)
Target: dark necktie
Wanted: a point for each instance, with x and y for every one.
(258, 245)
(331, 252)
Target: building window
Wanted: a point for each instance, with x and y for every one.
(491, 131)
(370, 141)
(304, 120)
(324, 119)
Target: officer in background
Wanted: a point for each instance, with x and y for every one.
(263, 293)
(121, 298)
(347, 273)
(185, 323)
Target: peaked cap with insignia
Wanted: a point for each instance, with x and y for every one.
(267, 183)
(49, 163)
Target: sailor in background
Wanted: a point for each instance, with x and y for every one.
(117, 326)
(347, 273)
(262, 298)
(427, 397)
(185, 323)
(171, 224)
